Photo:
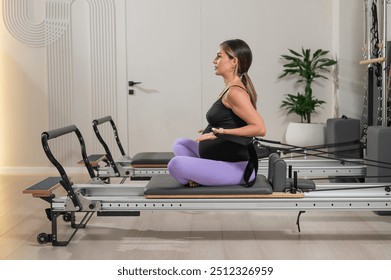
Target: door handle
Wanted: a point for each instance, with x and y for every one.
(131, 83)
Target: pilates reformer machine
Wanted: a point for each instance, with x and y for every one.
(272, 192)
(346, 159)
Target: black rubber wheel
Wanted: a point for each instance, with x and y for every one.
(42, 238)
(67, 217)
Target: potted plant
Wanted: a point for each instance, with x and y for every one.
(308, 67)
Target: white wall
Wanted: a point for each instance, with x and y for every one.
(277, 25)
(23, 102)
(350, 38)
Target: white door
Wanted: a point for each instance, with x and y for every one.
(164, 54)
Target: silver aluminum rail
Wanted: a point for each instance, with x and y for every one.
(306, 168)
(338, 197)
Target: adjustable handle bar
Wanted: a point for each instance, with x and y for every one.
(103, 120)
(60, 132)
(65, 182)
(109, 155)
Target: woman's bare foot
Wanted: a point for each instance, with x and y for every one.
(193, 184)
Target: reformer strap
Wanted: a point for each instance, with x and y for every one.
(252, 165)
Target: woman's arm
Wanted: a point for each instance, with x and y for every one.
(239, 102)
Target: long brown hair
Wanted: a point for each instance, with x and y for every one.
(239, 49)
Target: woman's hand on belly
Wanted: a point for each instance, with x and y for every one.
(206, 136)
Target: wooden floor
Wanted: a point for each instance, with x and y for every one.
(190, 234)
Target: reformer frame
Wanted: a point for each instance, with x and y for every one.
(129, 200)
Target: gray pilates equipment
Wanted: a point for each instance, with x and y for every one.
(379, 150)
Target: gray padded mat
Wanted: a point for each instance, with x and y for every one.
(165, 184)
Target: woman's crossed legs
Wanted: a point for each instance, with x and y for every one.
(187, 167)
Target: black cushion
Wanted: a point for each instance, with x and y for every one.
(153, 158)
(165, 184)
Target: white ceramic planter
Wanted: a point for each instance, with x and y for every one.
(305, 134)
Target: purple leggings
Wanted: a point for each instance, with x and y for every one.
(188, 166)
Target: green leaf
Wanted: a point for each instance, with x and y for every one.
(295, 53)
(316, 54)
(307, 68)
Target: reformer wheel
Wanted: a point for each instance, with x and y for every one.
(67, 217)
(43, 238)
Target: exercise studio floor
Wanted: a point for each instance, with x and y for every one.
(326, 235)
